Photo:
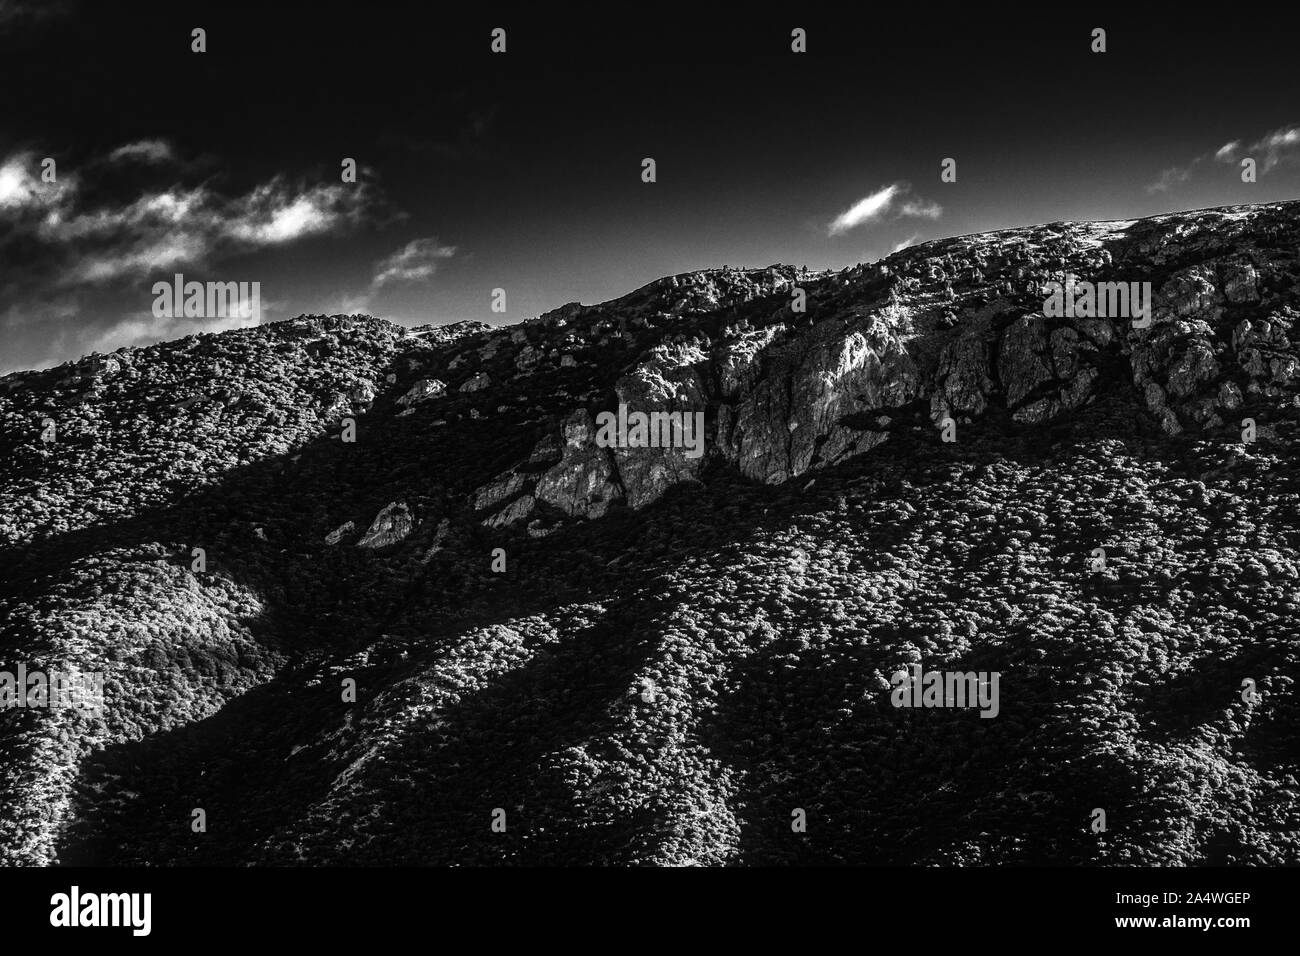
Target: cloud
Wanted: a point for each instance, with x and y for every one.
(910, 240)
(920, 209)
(144, 151)
(17, 186)
(22, 189)
(415, 261)
(1225, 152)
(75, 254)
(884, 202)
(1270, 150)
(276, 212)
(185, 226)
(864, 210)
(1173, 176)
(1277, 146)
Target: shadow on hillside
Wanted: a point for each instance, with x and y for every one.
(904, 786)
(439, 782)
(321, 602)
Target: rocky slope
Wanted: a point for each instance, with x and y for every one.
(638, 656)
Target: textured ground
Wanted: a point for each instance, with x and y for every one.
(681, 653)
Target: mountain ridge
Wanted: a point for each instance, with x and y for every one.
(828, 534)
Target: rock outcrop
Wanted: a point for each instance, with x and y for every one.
(583, 483)
(422, 391)
(390, 526)
(954, 329)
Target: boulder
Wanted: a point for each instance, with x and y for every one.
(390, 526)
(422, 391)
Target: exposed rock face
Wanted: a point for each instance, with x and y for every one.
(499, 490)
(390, 526)
(353, 400)
(1024, 363)
(584, 483)
(520, 508)
(341, 532)
(791, 420)
(666, 383)
(963, 382)
(1263, 350)
(422, 391)
(739, 361)
(507, 487)
(955, 328)
(440, 535)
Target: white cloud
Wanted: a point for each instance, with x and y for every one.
(1276, 146)
(15, 185)
(417, 260)
(920, 209)
(275, 213)
(145, 151)
(139, 259)
(1173, 176)
(864, 210)
(22, 189)
(910, 240)
(79, 244)
(183, 226)
(1282, 138)
(1268, 151)
(881, 203)
(1225, 152)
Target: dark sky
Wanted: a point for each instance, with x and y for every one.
(523, 171)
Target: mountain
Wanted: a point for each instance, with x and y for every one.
(566, 652)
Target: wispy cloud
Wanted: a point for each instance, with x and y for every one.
(920, 209)
(415, 261)
(144, 151)
(1226, 151)
(1173, 176)
(66, 245)
(1276, 147)
(1282, 145)
(165, 228)
(889, 201)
